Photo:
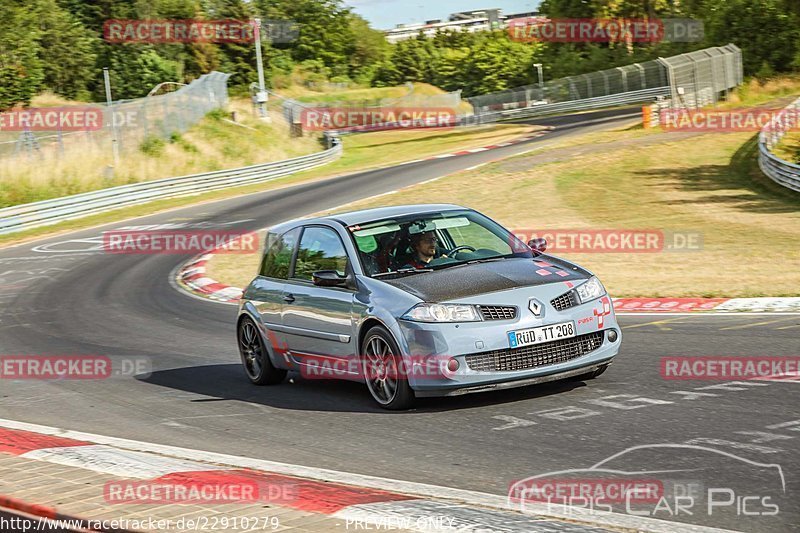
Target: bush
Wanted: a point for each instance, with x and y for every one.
(152, 146)
(217, 114)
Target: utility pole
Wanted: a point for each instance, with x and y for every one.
(261, 96)
(110, 102)
(541, 80)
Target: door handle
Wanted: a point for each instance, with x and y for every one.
(288, 298)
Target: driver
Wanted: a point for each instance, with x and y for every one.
(424, 249)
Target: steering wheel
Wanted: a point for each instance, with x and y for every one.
(449, 253)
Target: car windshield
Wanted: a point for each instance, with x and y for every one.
(432, 241)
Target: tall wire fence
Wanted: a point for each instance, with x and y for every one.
(701, 78)
(293, 109)
(129, 122)
(694, 79)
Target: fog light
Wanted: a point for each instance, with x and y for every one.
(452, 365)
(612, 335)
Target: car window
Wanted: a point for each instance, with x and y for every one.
(479, 237)
(388, 245)
(320, 249)
(278, 258)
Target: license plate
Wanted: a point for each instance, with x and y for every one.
(553, 332)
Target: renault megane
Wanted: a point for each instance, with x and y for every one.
(421, 300)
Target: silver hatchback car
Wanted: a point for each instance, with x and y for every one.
(420, 300)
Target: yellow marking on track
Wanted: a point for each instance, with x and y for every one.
(658, 323)
(754, 324)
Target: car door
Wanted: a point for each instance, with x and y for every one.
(318, 321)
(266, 291)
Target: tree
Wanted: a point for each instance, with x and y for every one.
(66, 50)
(21, 69)
(744, 22)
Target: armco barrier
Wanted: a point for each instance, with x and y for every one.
(46, 212)
(778, 170)
(632, 97)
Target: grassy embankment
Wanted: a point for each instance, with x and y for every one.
(216, 143)
(631, 179)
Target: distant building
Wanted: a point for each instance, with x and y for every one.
(469, 21)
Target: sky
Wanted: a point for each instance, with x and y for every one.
(385, 14)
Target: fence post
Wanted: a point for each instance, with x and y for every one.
(624, 79)
(605, 83)
(670, 80)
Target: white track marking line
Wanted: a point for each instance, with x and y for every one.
(117, 462)
(483, 499)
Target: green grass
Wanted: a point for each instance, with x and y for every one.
(361, 152)
(212, 144)
(376, 95)
(709, 184)
(755, 93)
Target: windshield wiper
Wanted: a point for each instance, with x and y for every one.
(486, 260)
(408, 270)
(470, 262)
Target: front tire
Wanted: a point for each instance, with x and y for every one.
(255, 359)
(383, 370)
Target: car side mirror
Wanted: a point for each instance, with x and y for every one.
(329, 278)
(538, 245)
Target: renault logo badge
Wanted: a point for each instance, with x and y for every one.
(536, 307)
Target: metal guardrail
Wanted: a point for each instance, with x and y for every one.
(632, 97)
(47, 212)
(778, 170)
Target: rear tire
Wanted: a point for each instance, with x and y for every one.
(382, 360)
(255, 358)
(590, 375)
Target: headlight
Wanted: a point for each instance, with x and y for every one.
(590, 290)
(442, 313)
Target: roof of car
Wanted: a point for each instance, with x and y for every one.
(368, 215)
(378, 213)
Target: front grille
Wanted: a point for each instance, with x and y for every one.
(547, 353)
(498, 312)
(565, 301)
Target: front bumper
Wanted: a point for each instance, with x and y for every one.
(487, 362)
(422, 393)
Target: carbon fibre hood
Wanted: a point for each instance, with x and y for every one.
(480, 278)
